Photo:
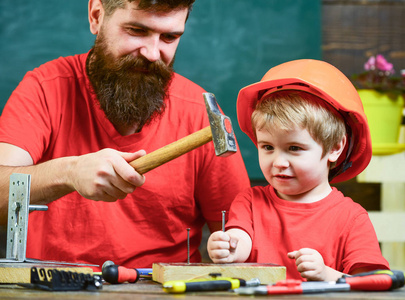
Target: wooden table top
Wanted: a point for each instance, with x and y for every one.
(147, 289)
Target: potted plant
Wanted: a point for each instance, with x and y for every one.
(382, 94)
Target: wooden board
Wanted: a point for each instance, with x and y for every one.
(21, 272)
(267, 273)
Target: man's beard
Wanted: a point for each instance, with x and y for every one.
(131, 90)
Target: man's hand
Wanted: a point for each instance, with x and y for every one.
(311, 266)
(105, 175)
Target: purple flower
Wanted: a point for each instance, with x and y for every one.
(383, 65)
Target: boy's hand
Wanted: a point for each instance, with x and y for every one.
(221, 247)
(310, 264)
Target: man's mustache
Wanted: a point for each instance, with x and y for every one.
(140, 64)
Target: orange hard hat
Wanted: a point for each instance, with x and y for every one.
(329, 84)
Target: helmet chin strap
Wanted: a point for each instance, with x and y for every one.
(346, 163)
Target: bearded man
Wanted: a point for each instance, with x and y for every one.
(74, 123)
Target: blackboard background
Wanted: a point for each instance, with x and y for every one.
(228, 44)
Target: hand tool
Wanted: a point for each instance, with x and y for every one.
(113, 273)
(60, 280)
(215, 283)
(380, 280)
(294, 286)
(220, 132)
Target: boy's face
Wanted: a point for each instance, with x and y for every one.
(292, 163)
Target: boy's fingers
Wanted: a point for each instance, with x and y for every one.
(292, 254)
(233, 243)
(223, 245)
(221, 236)
(218, 245)
(217, 236)
(219, 254)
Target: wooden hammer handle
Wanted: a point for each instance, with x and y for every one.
(172, 151)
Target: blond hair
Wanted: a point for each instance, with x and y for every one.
(286, 110)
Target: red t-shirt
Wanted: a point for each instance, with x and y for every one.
(53, 114)
(338, 228)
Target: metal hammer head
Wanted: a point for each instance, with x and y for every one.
(221, 128)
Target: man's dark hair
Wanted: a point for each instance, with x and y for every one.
(149, 5)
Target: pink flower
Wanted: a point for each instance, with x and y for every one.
(370, 64)
(382, 64)
(378, 75)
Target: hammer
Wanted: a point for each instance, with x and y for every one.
(220, 132)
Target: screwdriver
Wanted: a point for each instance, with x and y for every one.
(215, 283)
(113, 273)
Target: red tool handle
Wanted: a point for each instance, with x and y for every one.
(377, 282)
(288, 286)
(119, 274)
(125, 274)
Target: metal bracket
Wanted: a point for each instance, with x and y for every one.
(18, 209)
(17, 225)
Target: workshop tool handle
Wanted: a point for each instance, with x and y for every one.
(218, 284)
(380, 280)
(118, 274)
(169, 152)
(214, 283)
(181, 287)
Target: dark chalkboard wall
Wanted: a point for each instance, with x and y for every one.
(228, 44)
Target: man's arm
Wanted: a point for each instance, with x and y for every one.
(16, 160)
(104, 175)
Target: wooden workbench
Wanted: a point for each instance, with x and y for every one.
(147, 289)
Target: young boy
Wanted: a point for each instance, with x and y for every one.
(309, 126)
